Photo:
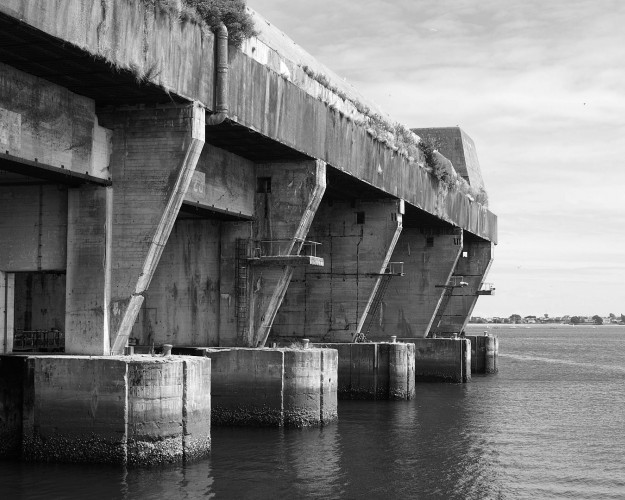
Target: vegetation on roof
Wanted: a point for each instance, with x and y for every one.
(404, 142)
(210, 13)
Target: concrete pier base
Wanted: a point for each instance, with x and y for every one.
(484, 354)
(375, 370)
(135, 410)
(442, 359)
(273, 387)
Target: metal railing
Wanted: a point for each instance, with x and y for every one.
(39, 340)
(284, 248)
(395, 269)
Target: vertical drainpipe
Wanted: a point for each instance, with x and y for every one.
(220, 99)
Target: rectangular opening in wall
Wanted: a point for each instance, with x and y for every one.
(360, 217)
(39, 312)
(429, 242)
(263, 184)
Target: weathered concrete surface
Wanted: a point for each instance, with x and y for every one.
(88, 279)
(472, 267)
(146, 200)
(181, 307)
(410, 303)
(33, 228)
(283, 214)
(273, 387)
(328, 304)
(133, 36)
(146, 40)
(484, 353)
(138, 410)
(44, 122)
(7, 311)
(15, 378)
(223, 182)
(40, 301)
(442, 360)
(375, 370)
(456, 145)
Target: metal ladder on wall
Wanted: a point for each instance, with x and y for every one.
(241, 285)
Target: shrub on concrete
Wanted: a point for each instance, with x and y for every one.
(211, 13)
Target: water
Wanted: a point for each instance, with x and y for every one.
(549, 425)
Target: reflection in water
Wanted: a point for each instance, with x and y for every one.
(549, 425)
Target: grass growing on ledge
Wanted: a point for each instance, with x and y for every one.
(210, 13)
(404, 141)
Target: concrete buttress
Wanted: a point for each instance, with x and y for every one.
(471, 269)
(410, 303)
(154, 155)
(288, 196)
(331, 303)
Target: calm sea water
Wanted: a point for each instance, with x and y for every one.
(551, 424)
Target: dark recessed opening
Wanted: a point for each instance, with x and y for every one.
(263, 184)
(429, 241)
(360, 217)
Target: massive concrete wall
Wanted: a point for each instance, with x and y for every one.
(33, 228)
(260, 99)
(328, 304)
(181, 306)
(410, 303)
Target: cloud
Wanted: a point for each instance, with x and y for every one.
(539, 87)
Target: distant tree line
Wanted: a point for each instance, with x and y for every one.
(570, 320)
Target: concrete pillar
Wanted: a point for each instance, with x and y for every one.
(7, 311)
(334, 302)
(88, 280)
(287, 199)
(429, 256)
(154, 155)
(472, 267)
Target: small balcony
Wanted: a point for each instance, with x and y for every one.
(295, 252)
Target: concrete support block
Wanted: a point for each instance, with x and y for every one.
(375, 370)
(138, 410)
(273, 387)
(410, 303)
(14, 380)
(442, 360)
(484, 353)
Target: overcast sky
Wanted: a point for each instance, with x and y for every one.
(540, 87)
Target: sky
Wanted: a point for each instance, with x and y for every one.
(540, 87)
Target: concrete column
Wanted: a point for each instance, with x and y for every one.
(7, 311)
(331, 303)
(155, 152)
(429, 256)
(287, 199)
(88, 280)
(471, 268)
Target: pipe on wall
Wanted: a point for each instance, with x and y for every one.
(220, 108)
